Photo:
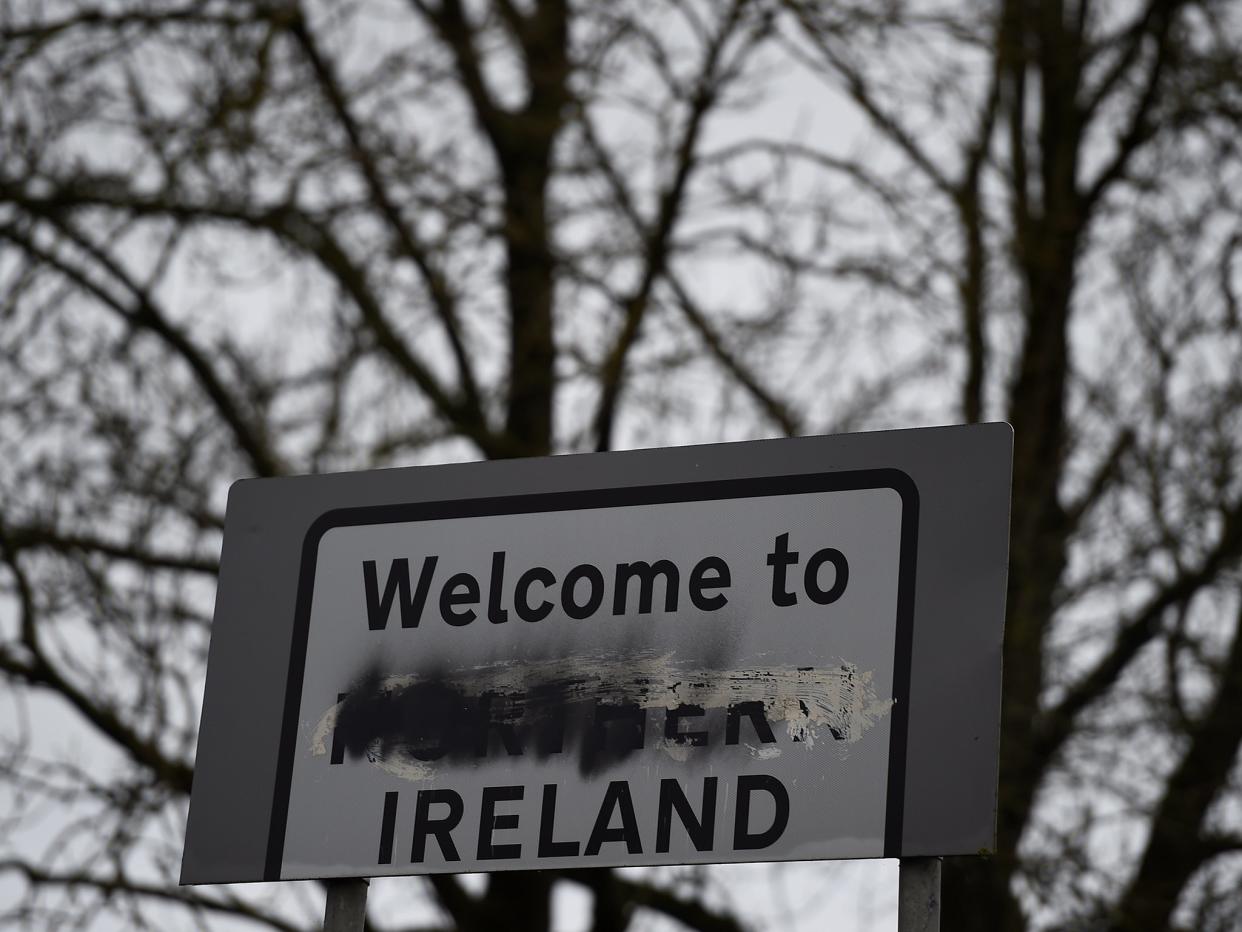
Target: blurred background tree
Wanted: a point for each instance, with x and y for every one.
(250, 238)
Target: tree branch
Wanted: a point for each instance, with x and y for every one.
(657, 238)
(437, 288)
(773, 408)
(1176, 846)
(39, 670)
(119, 884)
(1054, 727)
(145, 315)
(296, 228)
(690, 913)
(28, 537)
(1141, 126)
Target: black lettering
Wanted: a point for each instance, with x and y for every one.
(743, 838)
(672, 723)
(616, 797)
(594, 578)
(495, 614)
(840, 578)
(489, 722)
(461, 589)
(426, 751)
(525, 610)
(645, 573)
(753, 710)
(398, 578)
(629, 731)
(398, 582)
(546, 703)
(699, 581)
(411, 618)
(780, 559)
(388, 825)
(700, 829)
(490, 822)
(424, 825)
(547, 819)
(338, 744)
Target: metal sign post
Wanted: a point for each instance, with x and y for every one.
(918, 895)
(346, 909)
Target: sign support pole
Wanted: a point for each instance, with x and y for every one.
(918, 895)
(346, 910)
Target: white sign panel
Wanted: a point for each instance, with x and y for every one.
(703, 672)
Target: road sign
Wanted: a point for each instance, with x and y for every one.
(764, 651)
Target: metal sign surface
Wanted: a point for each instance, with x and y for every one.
(700, 654)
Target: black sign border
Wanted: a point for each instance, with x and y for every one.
(614, 497)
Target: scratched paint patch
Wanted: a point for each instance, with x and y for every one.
(595, 707)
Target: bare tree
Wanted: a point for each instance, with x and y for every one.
(1085, 176)
(249, 238)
